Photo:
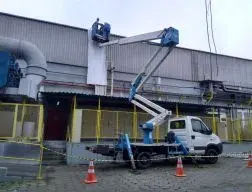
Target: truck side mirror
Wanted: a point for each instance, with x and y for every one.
(201, 131)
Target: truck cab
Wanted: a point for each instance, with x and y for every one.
(197, 138)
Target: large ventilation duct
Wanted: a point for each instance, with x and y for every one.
(36, 63)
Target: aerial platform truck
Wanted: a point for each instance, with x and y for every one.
(185, 135)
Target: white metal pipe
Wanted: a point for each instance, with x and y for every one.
(36, 62)
(134, 39)
(144, 108)
(112, 78)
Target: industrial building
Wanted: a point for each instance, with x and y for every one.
(187, 83)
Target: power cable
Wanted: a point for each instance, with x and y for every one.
(208, 38)
(215, 49)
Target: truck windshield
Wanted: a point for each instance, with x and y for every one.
(179, 124)
(198, 126)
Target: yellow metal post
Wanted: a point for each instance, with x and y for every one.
(239, 130)
(40, 123)
(98, 127)
(214, 122)
(177, 111)
(40, 139)
(233, 132)
(23, 113)
(14, 128)
(135, 124)
(39, 176)
(157, 134)
(74, 116)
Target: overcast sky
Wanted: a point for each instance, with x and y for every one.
(232, 19)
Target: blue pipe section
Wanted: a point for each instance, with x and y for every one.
(10, 72)
(181, 145)
(128, 146)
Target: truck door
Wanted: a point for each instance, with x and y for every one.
(199, 136)
(179, 127)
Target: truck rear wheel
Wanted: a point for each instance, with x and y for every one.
(143, 160)
(214, 156)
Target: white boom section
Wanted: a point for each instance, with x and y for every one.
(134, 39)
(159, 118)
(144, 108)
(151, 104)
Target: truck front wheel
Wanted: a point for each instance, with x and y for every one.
(143, 160)
(213, 156)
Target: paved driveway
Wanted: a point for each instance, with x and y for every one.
(228, 175)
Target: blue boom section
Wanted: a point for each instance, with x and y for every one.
(10, 73)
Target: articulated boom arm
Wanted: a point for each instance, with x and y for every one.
(158, 117)
(169, 39)
(159, 113)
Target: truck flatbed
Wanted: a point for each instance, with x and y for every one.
(156, 144)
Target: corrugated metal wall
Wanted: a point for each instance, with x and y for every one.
(131, 58)
(68, 45)
(231, 70)
(67, 73)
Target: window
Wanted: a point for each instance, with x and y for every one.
(204, 128)
(179, 124)
(198, 126)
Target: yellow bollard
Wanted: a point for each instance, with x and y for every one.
(39, 176)
(98, 124)
(135, 124)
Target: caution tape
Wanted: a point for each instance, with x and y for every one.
(244, 156)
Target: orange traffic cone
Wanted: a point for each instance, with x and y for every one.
(180, 169)
(249, 160)
(91, 177)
